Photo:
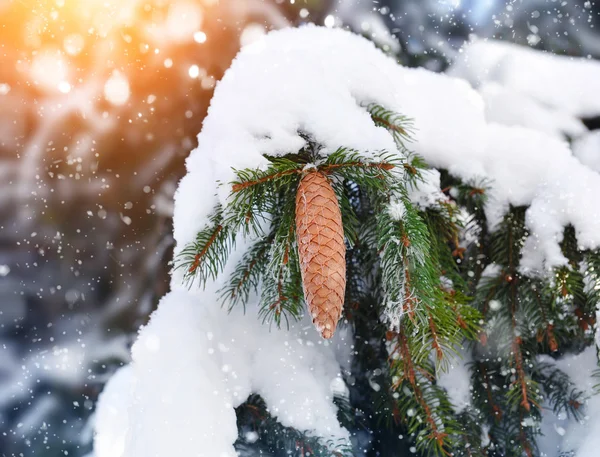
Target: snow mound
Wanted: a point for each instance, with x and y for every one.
(561, 82)
(316, 81)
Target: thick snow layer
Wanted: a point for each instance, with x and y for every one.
(562, 82)
(111, 420)
(562, 434)
(427, 192)
(194, 362)
(456, 379)
(587, 150)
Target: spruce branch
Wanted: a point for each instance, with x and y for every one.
(421, 404)
(281, 294)
(401, 127)
(281, 170)
(515, 308)
(206, 256)
(253, 416)
(377, 172)
(350, 220)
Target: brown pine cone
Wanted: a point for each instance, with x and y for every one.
(321, 250)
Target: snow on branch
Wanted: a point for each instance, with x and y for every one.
(194, 362)
(315, 81)
(561, 82)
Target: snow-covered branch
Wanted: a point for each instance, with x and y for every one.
(293, 84)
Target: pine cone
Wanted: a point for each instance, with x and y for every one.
(321, 250)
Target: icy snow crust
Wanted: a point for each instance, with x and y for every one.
(194, 362)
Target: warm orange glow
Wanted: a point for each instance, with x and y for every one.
(82, 81)
(64, 43)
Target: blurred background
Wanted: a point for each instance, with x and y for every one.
(100, 102)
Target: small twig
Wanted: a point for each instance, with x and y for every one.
(202, 253)
(389, 125)
(378, 166)
(244, 185)
(436, 343)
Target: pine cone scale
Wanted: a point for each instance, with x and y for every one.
(321, 250)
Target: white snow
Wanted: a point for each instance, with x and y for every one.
(544, 92)
(397, 210)
(506, 106)
(194, 362)
(111, 421)
(456, 380)
(562, 82)
(427, 191)
(587, 150)
(317, 80)
(562, 434)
